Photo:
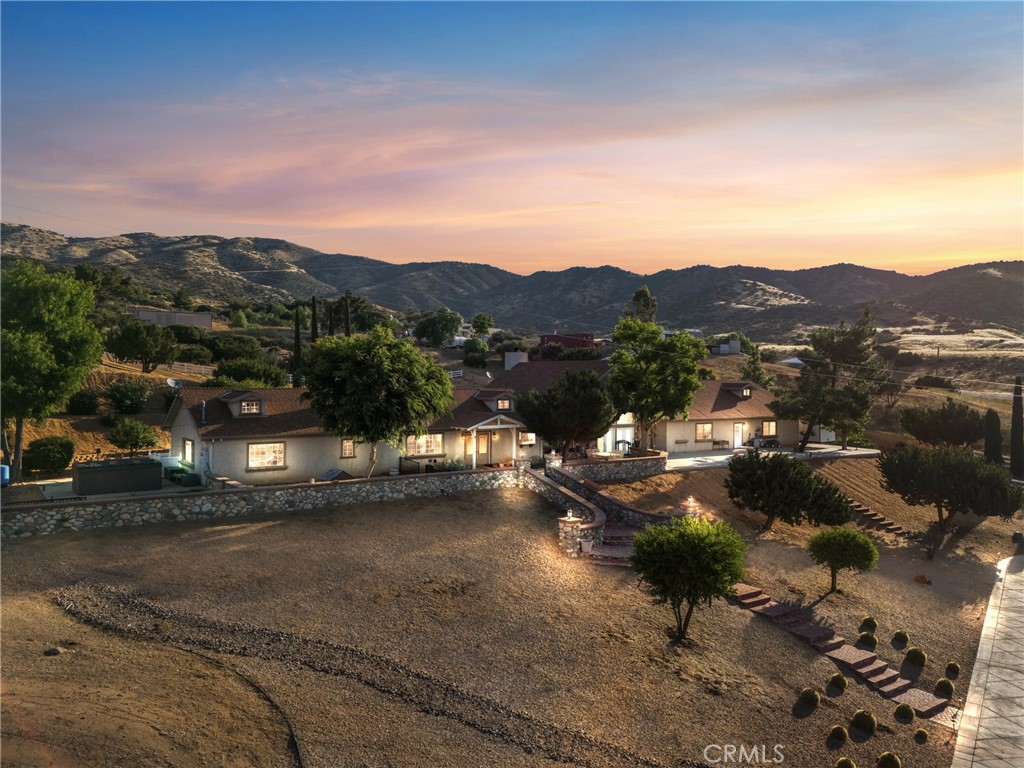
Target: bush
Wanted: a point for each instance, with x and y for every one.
(450, 465)
(901, 637)
(133, 435)
(864, 721)
(869, 624)
(129, 395)
(195, 354)
(49, 454)
(867, 639)
(85, 402)
(889, 760)
(838, 733)
(920, 735)
(838, 680)
(904, 713)
(189, 334)
(952, 669)
(251, 370)
(934, 381)
(226, 347)
(916, 656)
(810, 697)
(945, 687)
(109, 419)
(475, 360)
(845, 762)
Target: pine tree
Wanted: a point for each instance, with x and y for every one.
(314, 323)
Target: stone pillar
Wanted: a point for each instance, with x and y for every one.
(552, 460)
(569, 528)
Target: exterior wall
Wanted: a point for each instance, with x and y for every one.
(619, 469)
(305, 458)
(681, 436)
(184, 427)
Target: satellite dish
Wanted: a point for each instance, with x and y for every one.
(489, 376)
(176, 383)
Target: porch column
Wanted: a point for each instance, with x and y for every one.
(515, 442)
(473, 433)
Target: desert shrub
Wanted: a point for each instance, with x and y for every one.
(133, 435)
(934, 381)
(475, 360)
(869, 623)
(889, 760)
(195, 354)
(867, 639)
(49, 454)
(226, 347)
(864, 721)
(920, 735)
(904, 713)
(85, 402)
(907, 358)
(129, 394)
(810, 697)
(945, 686)
(900, 637)
(916, 656)
(952, 669)
(887, 352)
(230, 373)
(845, 762)
(838, 680)
(838, 733)
(189, 334)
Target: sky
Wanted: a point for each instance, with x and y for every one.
(529, 136)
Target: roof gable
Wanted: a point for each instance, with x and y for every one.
(287, 413)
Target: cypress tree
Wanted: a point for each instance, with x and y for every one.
(297, 344)
(330, 309)
(993, 438)
(314, 323)
(1017, 433)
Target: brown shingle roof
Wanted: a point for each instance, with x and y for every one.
(286, 413)
(721, 400)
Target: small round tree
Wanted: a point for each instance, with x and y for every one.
(133, 435)
(689, 561)
(842, 548)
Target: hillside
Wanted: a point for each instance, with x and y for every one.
(767, 303)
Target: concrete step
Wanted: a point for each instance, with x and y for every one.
(811, 632)
(753, 602)
(876, 667)
(790, 620)
(772, 610)
(599, 559)
(829, 644)
(898, 686)
(852, 657)
(887, 677)
(925, 704)
(746, 590)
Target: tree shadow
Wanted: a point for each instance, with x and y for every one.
(801, 710)
(910, 671)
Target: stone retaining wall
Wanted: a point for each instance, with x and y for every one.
(83, 516)
(618, 510)
(587, 521)
(618, 469)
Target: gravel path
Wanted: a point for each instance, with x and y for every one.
(119, 610)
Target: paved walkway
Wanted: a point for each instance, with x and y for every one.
(992, 726)
(708, 459)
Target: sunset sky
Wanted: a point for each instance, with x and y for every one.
(529, 136)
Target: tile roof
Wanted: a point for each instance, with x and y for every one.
(287, 414)
(721, 400)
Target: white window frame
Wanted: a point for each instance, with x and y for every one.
(268, 457)
(711, 432)
(188, 451)
(527, 438)
(423, 445)
(348, 448)
(774, 430)
(507, 404)
(249, 408)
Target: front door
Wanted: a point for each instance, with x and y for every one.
(737, 435)
(483, 449)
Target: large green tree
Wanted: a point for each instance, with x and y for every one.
(375, 388)
(350, 309)
(654, 377)
(840, 377)
(782, 488)
(48, 345)
(136, 341)
(952, 479)
(438, 327)
(643, 306)
(688, 562)
(576, 408)
(951, 424)
(753, 370)
(842, 549)
(482, 323)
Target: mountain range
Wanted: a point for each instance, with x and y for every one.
(768, 304)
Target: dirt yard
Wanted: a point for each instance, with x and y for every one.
(426, 633)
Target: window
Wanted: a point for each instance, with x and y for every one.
(527, 438)
(266, 456)
(348, 448)
(746, 392)
(704, 432)
(188, 451)
(424, 445)
(250, 406)
(768, 429)
(504, 404)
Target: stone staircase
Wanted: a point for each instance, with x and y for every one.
(615, 549)
(865, 664)
(875, 521)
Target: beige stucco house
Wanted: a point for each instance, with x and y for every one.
(261, 437)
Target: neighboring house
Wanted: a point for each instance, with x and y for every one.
(725, 414)
(484, 428)
(165, 318)
(568, 340)
(261, 437)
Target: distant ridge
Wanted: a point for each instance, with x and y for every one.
(766, 303)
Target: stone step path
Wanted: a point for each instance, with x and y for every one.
(877, 521)
(605, 554)
(865, 664)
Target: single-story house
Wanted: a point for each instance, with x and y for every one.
(261, 437)
(484, 428)
(725, 414)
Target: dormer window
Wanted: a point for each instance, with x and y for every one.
(250, 407)
(504, 404)
(745, 393)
